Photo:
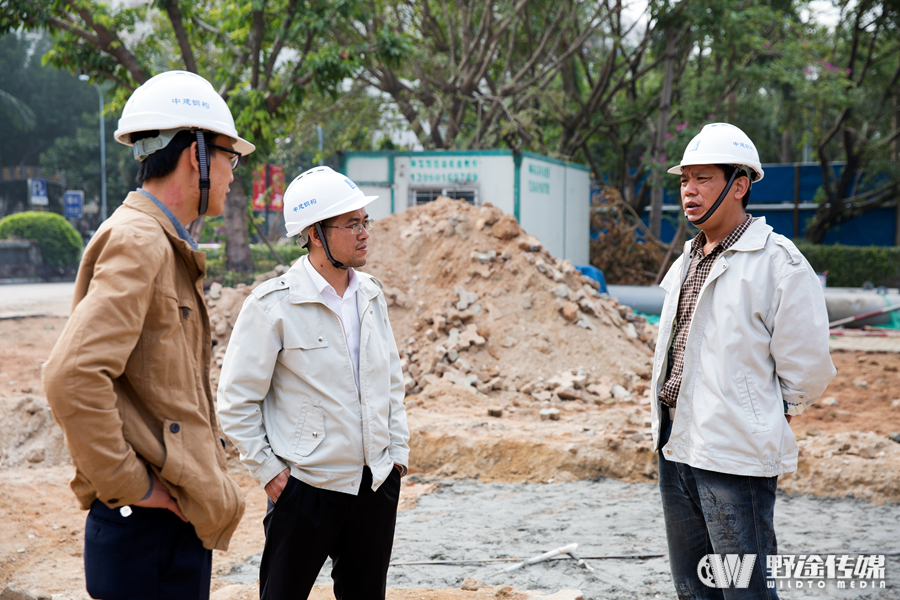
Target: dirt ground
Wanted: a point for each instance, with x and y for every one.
(844, 450)
(516, 370)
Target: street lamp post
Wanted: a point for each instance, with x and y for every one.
(83, 77)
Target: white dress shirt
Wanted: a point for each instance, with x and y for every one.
(345, 308)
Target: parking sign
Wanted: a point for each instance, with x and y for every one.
(74, 201)
(37, 190)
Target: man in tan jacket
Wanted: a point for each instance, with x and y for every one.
(128, 380)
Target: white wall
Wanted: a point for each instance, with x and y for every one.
(554, 200)
(578, 214)
(498, 182)
(367, 168)
(380, 208)
(542, 196)
(401, 183)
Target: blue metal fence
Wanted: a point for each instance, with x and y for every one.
(774, 198)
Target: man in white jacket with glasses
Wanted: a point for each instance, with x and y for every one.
(311, 394)
(742, 349)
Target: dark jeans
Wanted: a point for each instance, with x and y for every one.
(149, 555)
(309, 524)
(715, 513)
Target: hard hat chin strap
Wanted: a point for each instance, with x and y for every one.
(337, 265)
(203, 160)
(721, 197)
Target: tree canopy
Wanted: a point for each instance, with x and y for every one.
(588, 80)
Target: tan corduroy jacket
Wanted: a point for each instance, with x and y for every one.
(128, 380)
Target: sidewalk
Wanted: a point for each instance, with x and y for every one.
(36, 299)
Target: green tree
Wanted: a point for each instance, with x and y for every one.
(261, 56)
(78, 156)
(850, 86)
(56, 100)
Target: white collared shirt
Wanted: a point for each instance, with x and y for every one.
(345, 308)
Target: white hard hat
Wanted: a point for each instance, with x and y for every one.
(174, 101)
(722, 144)
(318, 194)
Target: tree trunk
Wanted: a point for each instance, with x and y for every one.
(786, 146)
(237, 246)
(656, 201)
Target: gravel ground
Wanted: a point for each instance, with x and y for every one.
(467, 520)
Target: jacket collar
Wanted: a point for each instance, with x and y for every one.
(141, 203)
(753, 239)
(304, 290)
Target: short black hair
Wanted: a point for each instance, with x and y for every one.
(323, 223)
(164, 161)
(727, 170)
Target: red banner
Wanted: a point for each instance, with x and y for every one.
(275, 185)
(276, 179)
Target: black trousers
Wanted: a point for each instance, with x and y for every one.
(149, 555)
(309, 524)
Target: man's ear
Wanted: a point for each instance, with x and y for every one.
(192, 156)
(314, 238)
(740, 186)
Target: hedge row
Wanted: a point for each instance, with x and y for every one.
(263, 261)
(60, 244)
(851, 266)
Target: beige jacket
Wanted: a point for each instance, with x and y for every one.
(128, 380)
(758, 340)
(287, 394)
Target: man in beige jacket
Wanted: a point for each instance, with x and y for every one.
(311, 394)
(128, 380)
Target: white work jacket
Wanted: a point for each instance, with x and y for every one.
(288, 396)
(758, 338)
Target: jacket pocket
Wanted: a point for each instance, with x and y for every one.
(751, 407)
(173, 438)
(310, 431)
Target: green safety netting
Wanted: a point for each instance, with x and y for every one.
(894, 314)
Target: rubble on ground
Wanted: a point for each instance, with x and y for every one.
(476, 301)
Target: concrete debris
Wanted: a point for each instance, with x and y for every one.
(471, 584)
(570, 311)
(465, 298)
(506, 228)
(9, 593)
(829, 401)
(620, 393)
(549, 414)
(483, 257)
(480, 314)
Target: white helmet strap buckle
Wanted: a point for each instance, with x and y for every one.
(147, 146)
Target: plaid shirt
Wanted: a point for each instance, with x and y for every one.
(697, 273)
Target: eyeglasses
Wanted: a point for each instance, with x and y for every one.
(235, 159)
(357, 228)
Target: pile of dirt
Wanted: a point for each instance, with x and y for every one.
(28, 434)
(846, 464)
(477, 302)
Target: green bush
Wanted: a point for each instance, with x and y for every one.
(58, 241)
(851, 266)
(263, 261)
